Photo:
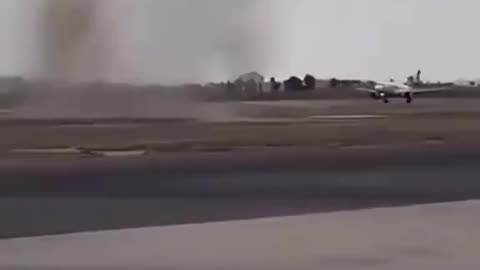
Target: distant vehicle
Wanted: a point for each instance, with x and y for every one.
(385, 90)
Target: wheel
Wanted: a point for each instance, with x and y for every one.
(386, 101)
(409, 98)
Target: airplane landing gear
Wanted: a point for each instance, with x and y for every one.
(383, 96)
(409, 98)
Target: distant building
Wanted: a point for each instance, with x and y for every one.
(252, 82)
(252, 76)
(464, 82)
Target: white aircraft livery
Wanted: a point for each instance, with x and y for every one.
(385, 90)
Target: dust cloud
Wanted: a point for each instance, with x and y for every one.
(138, 42)
(148, 41)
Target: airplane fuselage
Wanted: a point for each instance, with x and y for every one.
(392, 88)
(389, 90)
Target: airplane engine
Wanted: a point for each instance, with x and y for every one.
(378, 95)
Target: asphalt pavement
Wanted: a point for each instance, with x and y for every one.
(43, 197)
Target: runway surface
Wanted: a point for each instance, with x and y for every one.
(156, 212)
(55, 197)
(437, 236)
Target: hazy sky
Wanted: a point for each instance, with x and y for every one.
(220, 38)
(382, 38)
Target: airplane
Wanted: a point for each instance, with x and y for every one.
(391, 89)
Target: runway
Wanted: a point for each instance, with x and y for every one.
(436, 236)
(56, 197)
(388, 193)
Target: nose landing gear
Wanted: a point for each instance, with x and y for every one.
(383, 96)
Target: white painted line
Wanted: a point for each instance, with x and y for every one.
(361, 147)
(73, 150)
(435, 142)
(120, 153)
(347, 117)
(67, 150)
(125, 125)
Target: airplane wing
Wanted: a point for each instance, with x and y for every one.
(364, 89)
(429, 90)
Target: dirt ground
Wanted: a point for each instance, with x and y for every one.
(261, 124)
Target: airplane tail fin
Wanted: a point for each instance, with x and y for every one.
(415, 79)
(418, 78)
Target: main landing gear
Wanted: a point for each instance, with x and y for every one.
(408, 98)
